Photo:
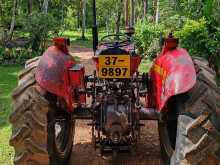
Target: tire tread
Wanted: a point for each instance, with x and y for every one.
(29, 106)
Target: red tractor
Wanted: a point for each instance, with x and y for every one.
(53, 91)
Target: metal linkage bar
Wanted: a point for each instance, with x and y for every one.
(149, 114)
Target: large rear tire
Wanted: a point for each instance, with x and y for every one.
(60, 134)
(190, 131)
(34, 122)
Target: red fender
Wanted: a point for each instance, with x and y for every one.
(52, 73)
(56, 74)
(172, 73)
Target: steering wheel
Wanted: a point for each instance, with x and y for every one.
(115, 40)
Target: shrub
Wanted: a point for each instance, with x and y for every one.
(1, 54)
(193, 36)
(199, 40)
(147, 37)
(39, 25)
(16, 55)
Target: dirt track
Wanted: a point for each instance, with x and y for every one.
(147, 152)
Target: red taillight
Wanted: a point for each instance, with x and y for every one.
(96, 60)
(171, 42)
(61, 41)
(62, 44)
(135, 62)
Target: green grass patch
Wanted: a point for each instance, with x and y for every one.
(75, 37)
(6, 151)
(8, 81)
(83, 43)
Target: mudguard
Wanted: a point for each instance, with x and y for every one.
(53, 76)
(172, 73)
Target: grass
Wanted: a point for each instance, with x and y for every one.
(8, 81)
(75, 37)
(6, 151)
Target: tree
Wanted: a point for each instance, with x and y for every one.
(145, 6)
(118, 16)
(126, 8)
(1, 21)
(132, 13)
(45, 6)
(1, 10)
(10, 34)
(29, 6)
(83, 19)
(157, 12)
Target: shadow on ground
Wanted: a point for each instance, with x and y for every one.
(146, 153)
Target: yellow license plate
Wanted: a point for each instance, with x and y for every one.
(114, 66)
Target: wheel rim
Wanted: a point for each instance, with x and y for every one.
(165, 140)
(62, 132)
(168, 132)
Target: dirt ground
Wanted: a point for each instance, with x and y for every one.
(147, 151)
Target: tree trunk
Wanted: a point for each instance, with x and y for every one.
(157, 12)
(10, 34)
(62, 11)
(78, 18)
(29, 6)
(40, 5)
(126, 8)
(132, 13)
(1, 10)
(145, 5)
(176, 4)
(83, 19)
(1, 23)
(45, 6)
(118, 22)
(118, 19)
(107, 23)
(154, 9)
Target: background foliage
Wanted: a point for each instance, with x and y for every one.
(27, 26)
(195, 23)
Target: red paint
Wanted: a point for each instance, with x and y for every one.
(54, 75)
(135, 62)
(62, 44)
(77, 81)
(172, 73)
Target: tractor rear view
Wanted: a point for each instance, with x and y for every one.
(53, 91)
